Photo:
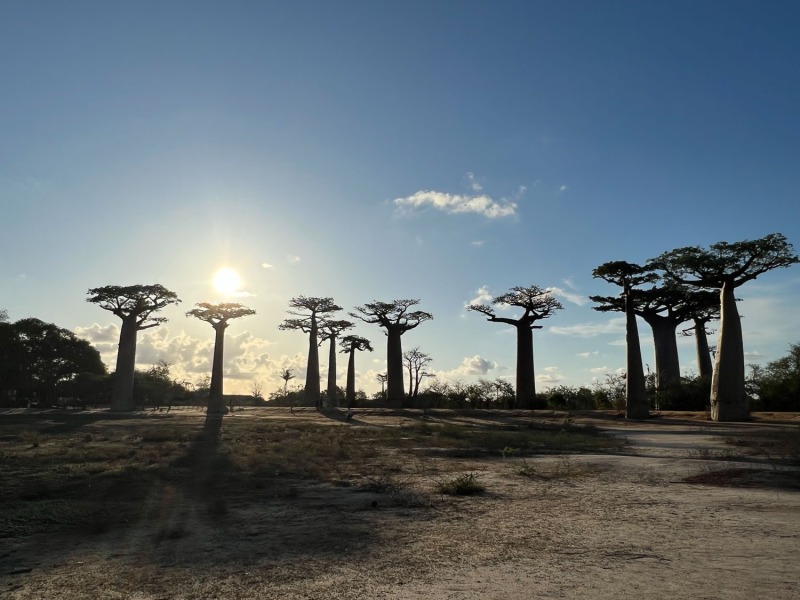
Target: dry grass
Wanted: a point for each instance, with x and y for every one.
(94, 472)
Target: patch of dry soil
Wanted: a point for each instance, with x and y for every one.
(590, 526)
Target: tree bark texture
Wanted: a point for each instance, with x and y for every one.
(216, 400)
(395, 394)
(312, 392)
(636, 405)
(728, 397)
(350, 394)
(704, 364)
(333, 396)
(668, 369)
(122, 395)
(526, 382)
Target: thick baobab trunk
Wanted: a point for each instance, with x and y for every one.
(728, 397)
(216, 401)
(668, 369)
(704, 365)
(122, 395)
(350, 393)
(333, 396)
(526, 383)
(636, 405)
(311, 393)
(394, 369)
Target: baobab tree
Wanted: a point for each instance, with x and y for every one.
(627, 276)
(134, 305)
(415, 362)
(351, 344)
(329, 331)
(396, 318)
(308, 313)
(701, 318)
(664, 308)
(218, 315)
(382, 377)
(726, 266)
(536, 304)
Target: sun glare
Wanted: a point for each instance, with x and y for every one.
(226, 281)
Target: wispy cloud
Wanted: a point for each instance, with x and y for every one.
(478, 243)
(293, 258)
(457, 204)
(562, 188)
(266, 265)
(474, 185)
(612, 326)
(568, 296)
(588, 354)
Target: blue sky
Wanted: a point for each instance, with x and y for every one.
(378, 150)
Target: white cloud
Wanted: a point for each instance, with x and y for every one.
(599, 370)
(578, 299)
(293, 258)
(99, 334)
(470, 366)
(612, 326)
(473, 184)
(482, 296)
(456, 204)
(563, 188)
(478, 243)
(588, 354)
(549, 376)
(266, 265)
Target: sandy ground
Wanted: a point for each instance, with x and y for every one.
(588, 526)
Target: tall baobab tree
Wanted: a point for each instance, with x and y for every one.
(308, 313)
(135, 305)
(726, 266)
(329, 331)
(396, 318)
(218, 315)
(536, 304)
(664, 308)
(350, 344)
(627, 276)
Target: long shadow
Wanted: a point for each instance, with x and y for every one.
(204, 459)
(343, 416)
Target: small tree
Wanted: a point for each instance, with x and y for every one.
(286, 375)
(725, 266)
(382, 378)
(396, 318)
(415, 362)
(536, 304)
(308, 313)
(135, 305)
(350, 344)
(218, 315)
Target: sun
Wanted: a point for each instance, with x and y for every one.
(226, 281)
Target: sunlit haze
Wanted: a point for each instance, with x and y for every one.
(445, 151)
(226, 281)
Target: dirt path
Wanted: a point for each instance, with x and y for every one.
(583, 526)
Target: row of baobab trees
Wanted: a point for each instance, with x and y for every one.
(690, 284)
